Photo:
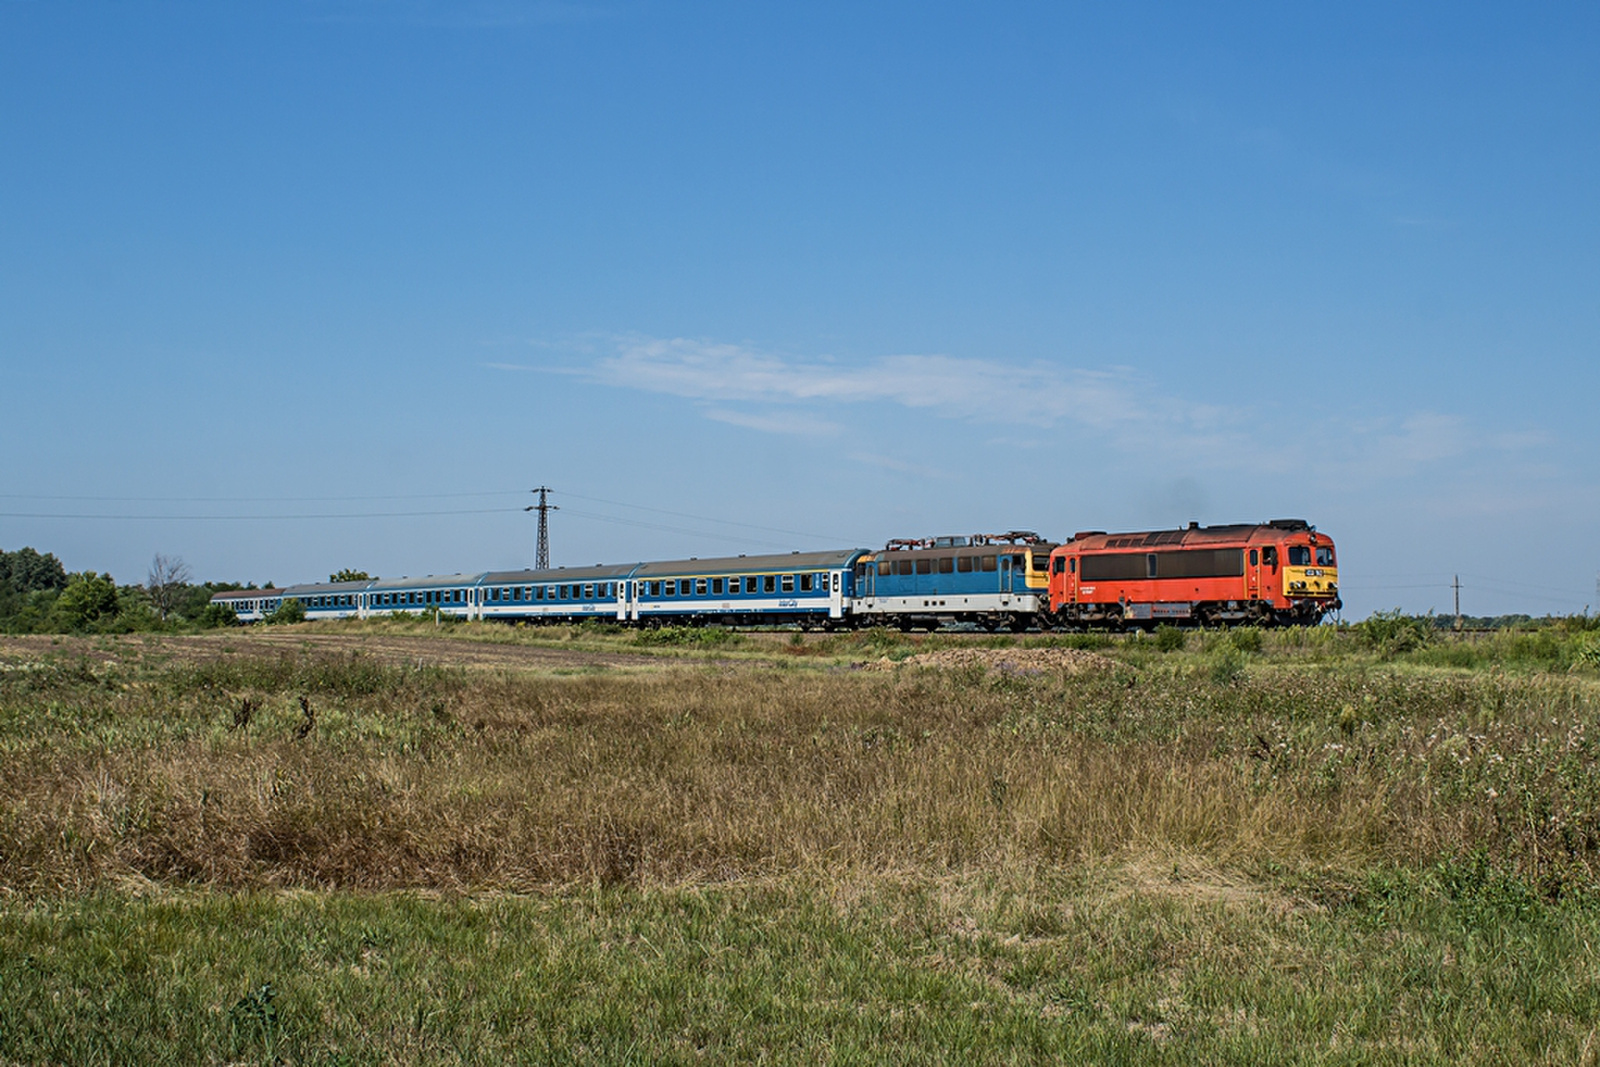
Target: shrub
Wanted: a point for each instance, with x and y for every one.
(688, 635)
(1170, 638)
(1227, 667)
(1245, 639)
(1392, 632)
(289, 611)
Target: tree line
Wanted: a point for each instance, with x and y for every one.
(38, 595)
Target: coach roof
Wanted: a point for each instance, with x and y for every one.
(599, 573)
(773, 564)
(429, 581)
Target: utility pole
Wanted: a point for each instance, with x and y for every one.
(1458, 601)
(543, 507)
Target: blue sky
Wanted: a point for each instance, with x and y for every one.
(751, 276)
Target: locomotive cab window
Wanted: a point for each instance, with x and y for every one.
(1254, 557)
(1269, 555)
(1299, 556)
(1324, 555)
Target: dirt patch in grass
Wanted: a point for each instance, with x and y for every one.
(1021, 660)
(384, 648)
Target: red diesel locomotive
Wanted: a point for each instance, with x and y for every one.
(1283, 572)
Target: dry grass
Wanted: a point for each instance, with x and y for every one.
(444, 779)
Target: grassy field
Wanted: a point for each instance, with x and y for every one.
(384, 843)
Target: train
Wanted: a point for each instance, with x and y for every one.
(1282, 572)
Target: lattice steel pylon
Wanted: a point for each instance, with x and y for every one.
(544, 508)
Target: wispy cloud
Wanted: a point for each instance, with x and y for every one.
(783, 422)
(901, 466)
(981, 390)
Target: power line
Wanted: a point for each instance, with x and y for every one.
(255, 499)
(639, 524)
(258, 518)
(706, 518)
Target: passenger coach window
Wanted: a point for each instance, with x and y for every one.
(655, 588)
(699, 587)
(788, 583)
(716, 587)
(750, 584)
(805, 583)
(588, 591)
(1299, 556)
(769, 583)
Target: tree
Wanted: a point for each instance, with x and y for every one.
(88, 599)
(348, 575)
(169, 577)
(28, 571)
(290, 610)
(214, 615)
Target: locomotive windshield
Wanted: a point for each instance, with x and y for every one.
(1324, 555)
(1299, 556)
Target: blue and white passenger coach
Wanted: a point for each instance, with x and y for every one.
(812, 589)
(452, 594)
(564, 594)
(250, 605)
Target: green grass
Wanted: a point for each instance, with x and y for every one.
(1100, 966)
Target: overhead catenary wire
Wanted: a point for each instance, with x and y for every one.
(255, 518)
(322, 516)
